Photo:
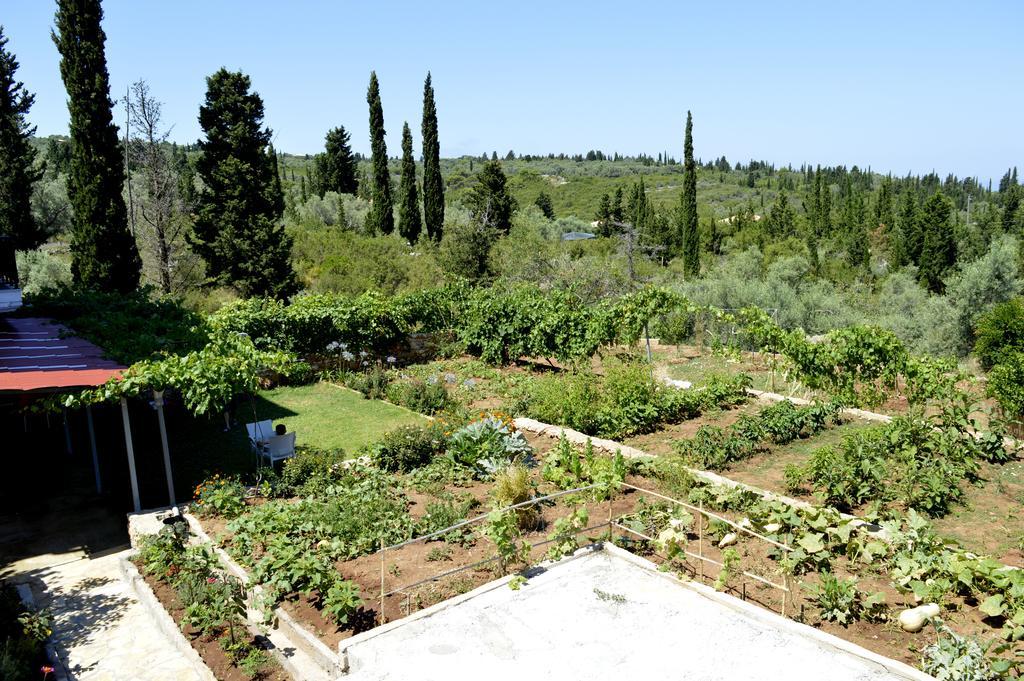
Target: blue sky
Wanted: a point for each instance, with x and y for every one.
(899, 86)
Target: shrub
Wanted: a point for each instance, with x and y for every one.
(512, 485)
(311, 471)
(915, 461)
(1000, 332)
(487, 445)
(408, 447)
(373, 384)
(1006, 384)
(420, 396)
(715, 448)
(22, 636)
(217, 496)
(627, 401)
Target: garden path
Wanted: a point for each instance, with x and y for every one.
(101, 632)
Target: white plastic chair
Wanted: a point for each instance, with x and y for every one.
(279, 447)
(260, 433)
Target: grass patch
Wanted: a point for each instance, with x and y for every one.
(328, 416)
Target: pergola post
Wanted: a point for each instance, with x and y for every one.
(92, 445)
(67, 433)
(131, 454)
(158, 402)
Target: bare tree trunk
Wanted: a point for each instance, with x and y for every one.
(163, 213)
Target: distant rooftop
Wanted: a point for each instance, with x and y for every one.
(577, 236)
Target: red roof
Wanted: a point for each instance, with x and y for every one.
(38, 354)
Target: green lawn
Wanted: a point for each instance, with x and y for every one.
(328, 416)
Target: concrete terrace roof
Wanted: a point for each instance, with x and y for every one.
(36, 354)
(654, 627)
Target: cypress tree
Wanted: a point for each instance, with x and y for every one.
(433, 186)
(336, 167)
(16, 157)
(857, 251)
(883, 206)
(690, 234)
(1011, 205)
(276, 192)
(604, 215)
(103, 251)
(825, 209)
(238, 231)
(380, 218)
(897, 247)
(617, 214)
(409, 210)
(938, 252)
(910, 228)
(489, 202)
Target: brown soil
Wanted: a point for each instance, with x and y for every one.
(208, 647)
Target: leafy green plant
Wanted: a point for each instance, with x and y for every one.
(219, 496)
(730, 561)
(36, 624)
(715, 448)
(161, 554)
(839, 600)
(566, 468)
(342, 601)
(502, 529)
(567, 529)
(956, 658)
(487, 445)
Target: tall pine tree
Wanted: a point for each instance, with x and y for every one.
(409, 210)
(17, 174)
(336, 168)
(433, 186)
(381, 218)
(103, 252)
(690, 234)
(238, 231)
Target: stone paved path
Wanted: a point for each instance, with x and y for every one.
(101, 632)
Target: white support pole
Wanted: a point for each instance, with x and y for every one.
(131, 454)
(92, 445)
(67, 433)
(158, 401)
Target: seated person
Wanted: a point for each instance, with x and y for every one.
(280, 430)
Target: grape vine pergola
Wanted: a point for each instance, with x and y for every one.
(39, 360)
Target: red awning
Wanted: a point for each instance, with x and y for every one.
(37, 354)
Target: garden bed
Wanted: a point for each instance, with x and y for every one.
(208, 646)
